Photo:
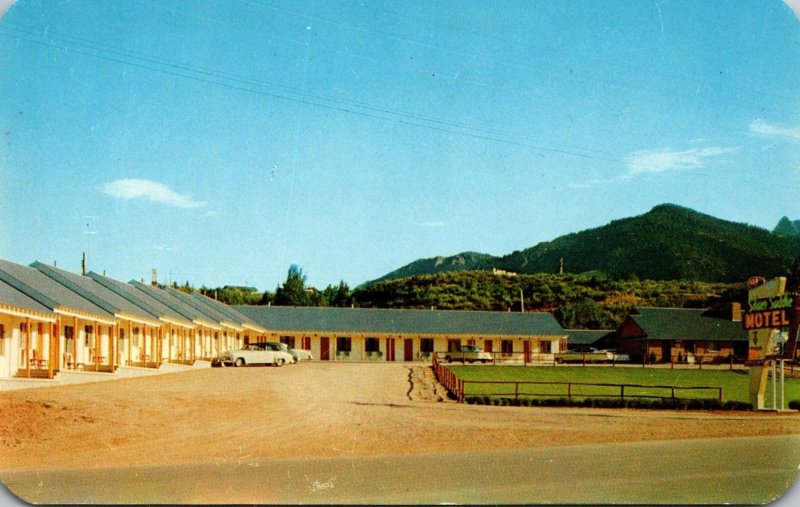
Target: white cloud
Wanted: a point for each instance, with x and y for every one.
(657, 161)
(146, 189)
(762, 127)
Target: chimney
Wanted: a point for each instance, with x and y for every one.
(153, 278)
(736, 312)
(83, 263)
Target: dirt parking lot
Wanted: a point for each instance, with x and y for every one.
(235, 416)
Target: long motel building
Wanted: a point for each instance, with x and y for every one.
(364, 334)
(55, 324)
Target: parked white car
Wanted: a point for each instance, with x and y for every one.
(469, 354)
(255, 353)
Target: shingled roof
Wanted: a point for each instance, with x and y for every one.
(12, 298)
(586, 336)
(685, 324)
(49, 293)
(98, 294)
(185, 310)
(139, 298)
(229, 311)
(433, 322)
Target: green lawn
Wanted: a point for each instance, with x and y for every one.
(734, 384)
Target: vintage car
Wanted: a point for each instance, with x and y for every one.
(469, 354)
(297, 354)
(255, 353)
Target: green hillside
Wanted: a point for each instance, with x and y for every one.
(787, 227)
(466, 261)
(667, 243)
(577, 301)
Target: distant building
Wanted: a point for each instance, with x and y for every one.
(682, 335)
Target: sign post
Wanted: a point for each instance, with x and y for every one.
(770, 311)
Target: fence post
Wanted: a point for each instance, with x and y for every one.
(720, 395)
(516, 391)
(622, 392)
(569, 390)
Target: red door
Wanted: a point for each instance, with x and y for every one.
(526, 349)
(390, 349)
(306, 343)
(324, 349)
(408, 350)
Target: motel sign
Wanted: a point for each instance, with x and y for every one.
(770, 308)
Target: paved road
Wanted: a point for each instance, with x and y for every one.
(740, 470)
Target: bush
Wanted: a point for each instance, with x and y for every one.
(634, 403)
(794, 404)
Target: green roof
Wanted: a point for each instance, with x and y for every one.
(686, 324)
(586, 336)
(434, 322)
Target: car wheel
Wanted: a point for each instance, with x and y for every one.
(278, 362)
(239, 361)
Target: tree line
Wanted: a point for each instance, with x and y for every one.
(589, 301)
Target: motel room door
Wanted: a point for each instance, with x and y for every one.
(324, 349)
(408, 349)
(390, 349)
(526, 350)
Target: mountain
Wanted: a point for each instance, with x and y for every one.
(787, 227)
(667, 243)
(465, 261)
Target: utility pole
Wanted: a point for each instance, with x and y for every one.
(521, 301)
(83, 263)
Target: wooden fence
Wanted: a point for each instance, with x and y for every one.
(458, 387)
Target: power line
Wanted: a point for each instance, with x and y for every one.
(198, 74)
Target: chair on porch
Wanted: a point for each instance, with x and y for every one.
(34, 361)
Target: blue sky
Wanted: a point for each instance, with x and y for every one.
(221, 142)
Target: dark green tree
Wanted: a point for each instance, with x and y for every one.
(293, 291)
(339, 296)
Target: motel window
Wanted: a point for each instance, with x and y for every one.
(426, 345)
(454, 345)
(545, 347)
(87, 335)
(39, 329)
(712, 347)
(288, 340)
(343, 344)
(506, 346)
(121, 334)
(23, 327)
(372, 345)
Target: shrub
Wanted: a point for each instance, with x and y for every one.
(794, 404)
